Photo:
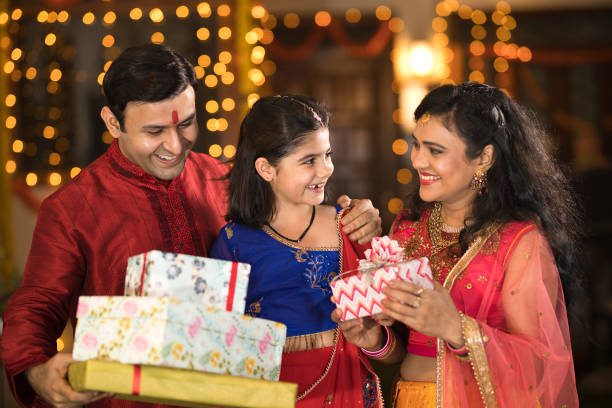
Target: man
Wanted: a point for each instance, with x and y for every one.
(148, 191)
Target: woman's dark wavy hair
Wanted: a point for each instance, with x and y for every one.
(272, 129)
(146, 73)
(524, 182)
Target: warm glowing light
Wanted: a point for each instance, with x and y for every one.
(383, 13)
(524, 54)
(10, 122)
(109, 18)
(229, 151)
(215, 150)
(199, 71)
(16, 54)
(440, 40)
(439, 24)
(477, 48)
(399, 147)
(50, 39)
(224, 10)
(251, 99)
(511, 51)
(479, 17)
(74, 172)
(42, 16)
(477, 76)
(100, 78)
(251, 37)
(203, 34)
(443, 9)
(4, 17)
(16, 14)
(157, 37)
(10, 100)
(291, 20)
(55, 179)
(18, 146)
(223, 124)
(182, 11)
(31, 73)
(212, 124)
(497, 17)
(395, 205)
(108, 41)
(31, 179)
(503, 34)
(322, 18)
(156, 15)
(9, 66)
(204, 10)
(88, 18)
(52, 18)
(54, 159)
(16, 75)
(503, 7)
(258, 12)
(10, 166)
(225, 33)
(256, 76)
(228, 104)
(204, 60)
(227, 78)
(396, 25)
(212, 106)
(5, 42)
(500, 64)
(353, 15)
(52, 87)
(136, 13)
(107, 65)
(478, 32)
(219, 68)
(403, 176)
(225, 57)
(211, 81)
(269, 22)
(476, 63)
(48, 132)
(63, 16)
(509, 22)
(258, 54)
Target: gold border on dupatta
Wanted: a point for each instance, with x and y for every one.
(473, 337)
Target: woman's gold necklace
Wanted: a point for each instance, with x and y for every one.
(442, 235)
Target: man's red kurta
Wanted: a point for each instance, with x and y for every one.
(84, 234)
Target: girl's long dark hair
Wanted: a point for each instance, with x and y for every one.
(272, 129)
(524, 182)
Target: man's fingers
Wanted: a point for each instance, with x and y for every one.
(343, 201)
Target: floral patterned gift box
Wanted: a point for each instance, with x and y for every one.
(211, 282)
(164, 331)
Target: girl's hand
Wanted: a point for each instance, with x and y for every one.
(428, 311)
(363, 332)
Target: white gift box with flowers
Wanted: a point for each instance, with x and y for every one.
(210, 282)
(164, 331)
(358, 293)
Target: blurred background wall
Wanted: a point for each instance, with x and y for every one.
(369, 61)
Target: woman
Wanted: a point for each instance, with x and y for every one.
(495, 217)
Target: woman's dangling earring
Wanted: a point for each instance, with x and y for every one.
(479, 181)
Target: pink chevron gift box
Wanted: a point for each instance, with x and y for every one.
(358, 293)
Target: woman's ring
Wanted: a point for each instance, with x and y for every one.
(416, 303)
(420, 291)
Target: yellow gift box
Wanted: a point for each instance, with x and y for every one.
(179, 387)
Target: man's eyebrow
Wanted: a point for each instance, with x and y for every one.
(154, 126)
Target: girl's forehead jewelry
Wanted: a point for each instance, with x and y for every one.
(308, 107)
(424, 119)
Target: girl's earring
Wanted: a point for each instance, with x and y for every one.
(479, 181)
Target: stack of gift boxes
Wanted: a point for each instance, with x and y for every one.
(184, 312)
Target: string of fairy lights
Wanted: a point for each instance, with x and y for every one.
(213, 70)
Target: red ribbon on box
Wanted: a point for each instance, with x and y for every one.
(232, 287)
(136, 377)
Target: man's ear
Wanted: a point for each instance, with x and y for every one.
(487, 157)
(265, 170)
(111, 122)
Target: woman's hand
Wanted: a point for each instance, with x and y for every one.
(363, 332)
(428, 311)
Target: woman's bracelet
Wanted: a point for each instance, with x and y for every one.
(463, 351)
(385, 350)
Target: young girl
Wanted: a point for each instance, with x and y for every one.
(295, 247)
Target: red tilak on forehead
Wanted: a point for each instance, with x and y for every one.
(174, 117)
